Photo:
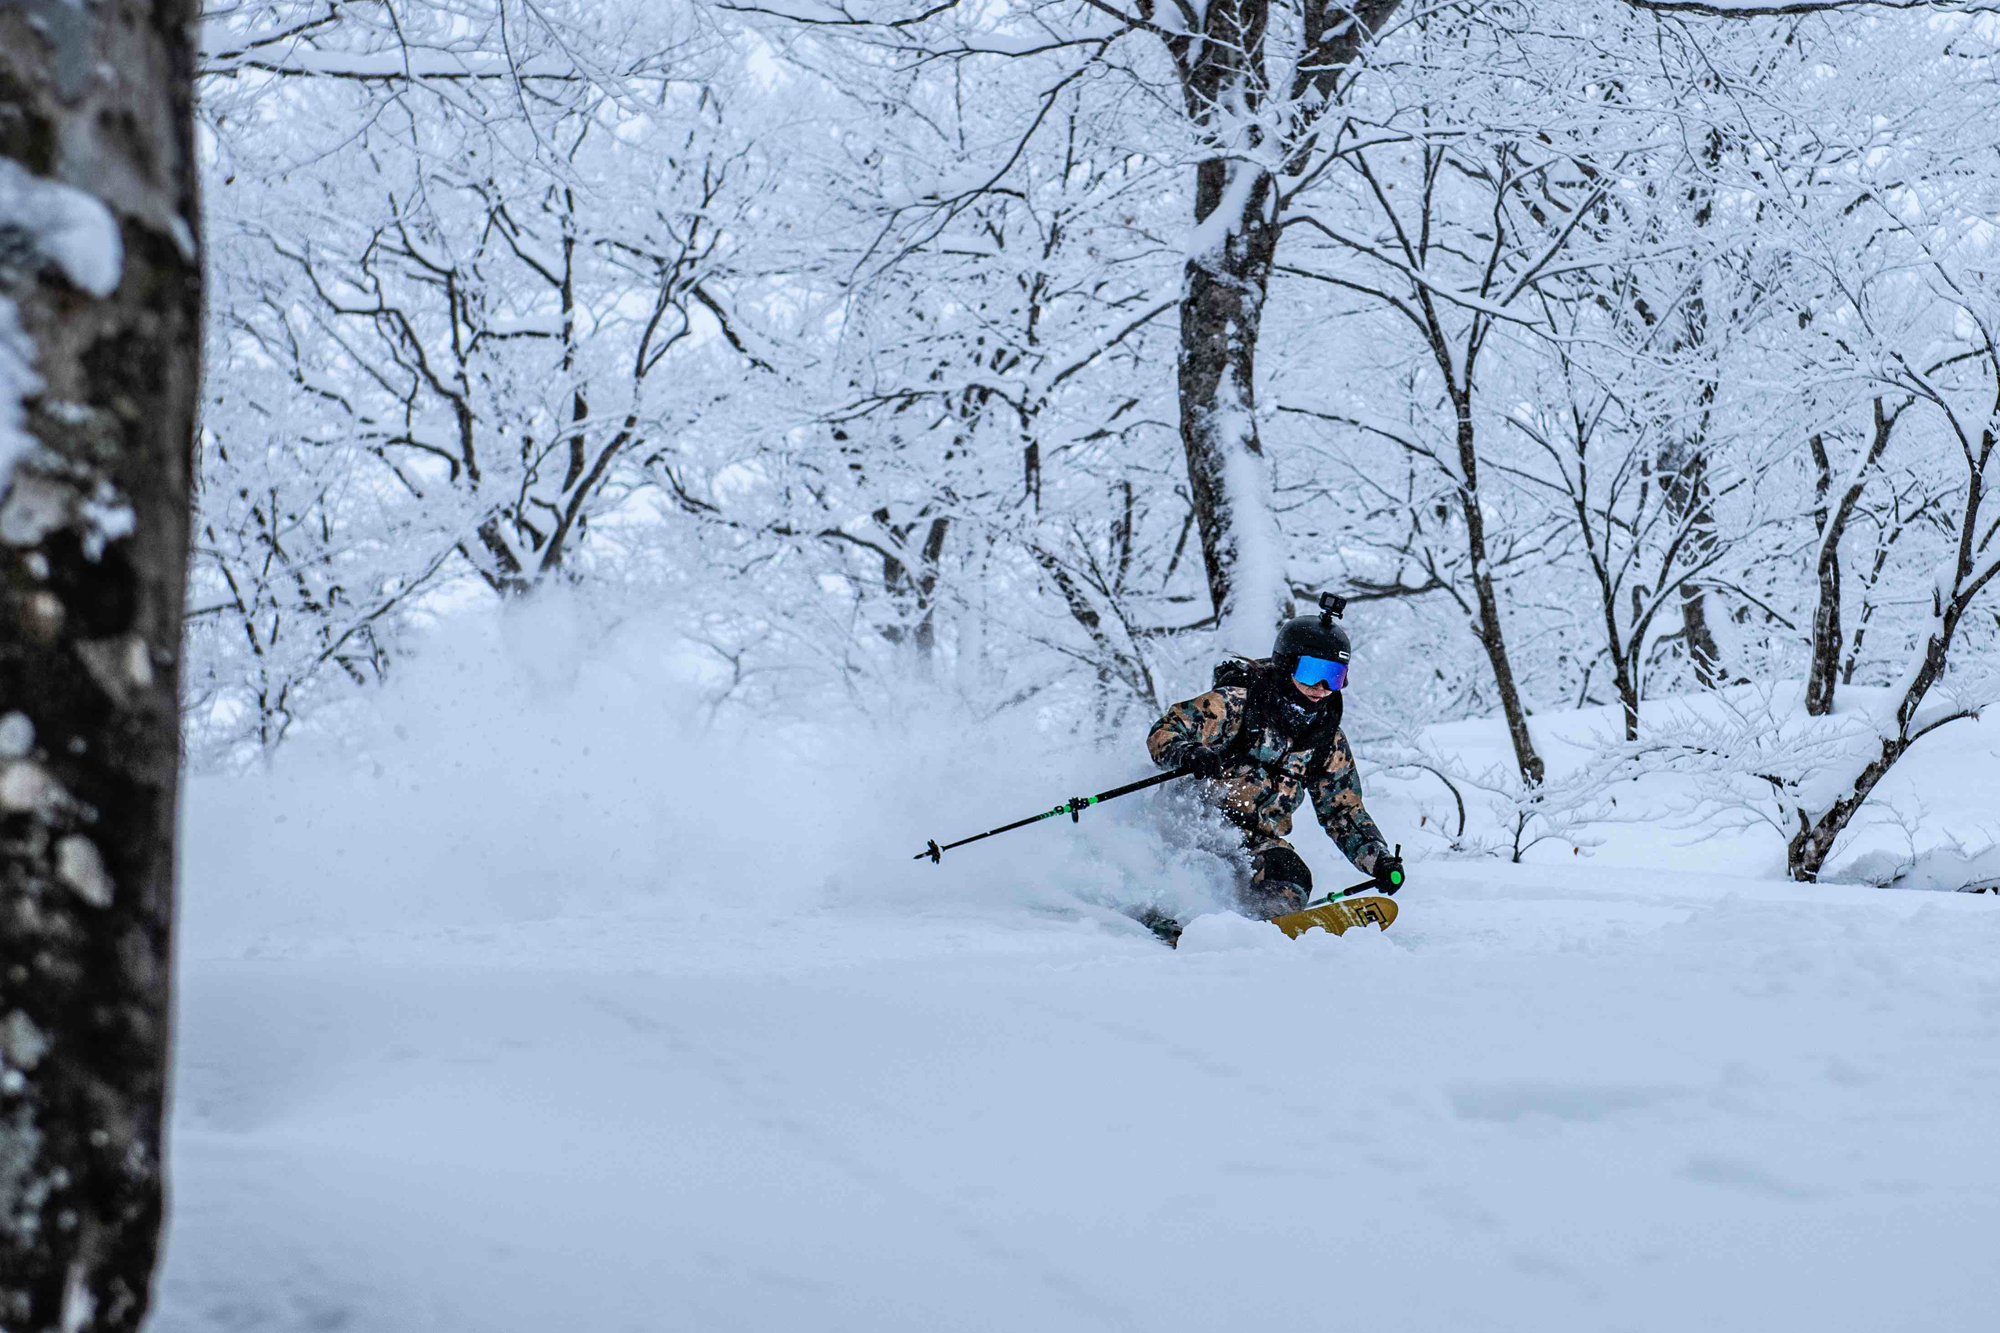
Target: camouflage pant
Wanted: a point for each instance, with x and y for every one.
(1281, 882)
(1272, 879)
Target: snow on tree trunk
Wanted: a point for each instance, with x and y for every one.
(1231, 98)
(1974, 565)
(1222, 306)
(100, 314)
(1684, 469)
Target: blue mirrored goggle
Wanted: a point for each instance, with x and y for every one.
(1320, 671)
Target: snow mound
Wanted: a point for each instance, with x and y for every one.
(1224, 932)
(1360, 942)
(1941, 869)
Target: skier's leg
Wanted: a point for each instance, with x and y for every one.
(1280, 884)
(1165, 927)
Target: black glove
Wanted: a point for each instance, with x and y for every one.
(1389, 873)
(1201, 763)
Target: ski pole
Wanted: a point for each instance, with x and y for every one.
(1364, 884)
(1336, 897)
(1073, 807)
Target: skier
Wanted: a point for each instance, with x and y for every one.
(1266, 737)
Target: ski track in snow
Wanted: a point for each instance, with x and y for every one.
(1550, 1098)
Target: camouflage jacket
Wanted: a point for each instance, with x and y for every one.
(1266, 778)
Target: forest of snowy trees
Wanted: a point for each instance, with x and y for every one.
(1037, 351)
(1009, 361)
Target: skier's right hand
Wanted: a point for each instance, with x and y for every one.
(1389, 873)
(1200, 762)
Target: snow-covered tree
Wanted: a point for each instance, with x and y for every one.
(1253, 87)
(480, 261)
(851, 333)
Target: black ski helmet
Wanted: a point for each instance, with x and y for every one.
(1313, 636)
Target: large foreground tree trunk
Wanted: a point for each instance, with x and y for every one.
(100, 329)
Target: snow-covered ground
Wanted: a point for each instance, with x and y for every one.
(583, 1020)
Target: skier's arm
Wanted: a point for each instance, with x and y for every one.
(1336, 798)
(1203, 725)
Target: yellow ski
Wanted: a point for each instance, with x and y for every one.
(1335, 917)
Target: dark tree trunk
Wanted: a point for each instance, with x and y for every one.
(913, 593)
(1459, 379)
(1222, 309)
(1225, 82)
(1684, 475)
(1806, 853)
(1826, 635)
(926, 582)
(1686, 471)
(1971, 569)
(1623, 678)
(1827, 638)
(1622, 674)
(1223, 75)
(1886, 537)
(1491, 634)
(95, 114)
(1707, 658)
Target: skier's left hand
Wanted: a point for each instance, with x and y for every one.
(1389, 873)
